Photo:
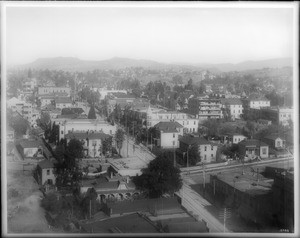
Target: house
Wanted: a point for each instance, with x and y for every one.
(92, 142)
(205, 108)
(233, 138)
(169, 133)
(30, 148)
(45, 172)
(154, 116)
(251, 149)
(278, 115)
(233, 107)
(207, 150)
(256, 101)
(110, 188)
(63, 102)
(51, 90)
(274, 141)
(83, 125)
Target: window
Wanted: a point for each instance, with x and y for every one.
(205, 148)
(212, 155)
(110, 131)
(212, 148)
(62, 132)
(48, 171)
(204, 157)
(173, 142)
(194, 122)
(264, 151)
(173, 135)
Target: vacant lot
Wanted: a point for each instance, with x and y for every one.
(24, 214)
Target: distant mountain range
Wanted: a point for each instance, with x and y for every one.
(250, 65)
(75, 64)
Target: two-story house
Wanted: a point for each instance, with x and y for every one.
(207, 150)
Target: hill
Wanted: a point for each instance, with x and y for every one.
(75, 64)
(250, 65)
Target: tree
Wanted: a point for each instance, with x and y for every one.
(44, 121)
(194, 156)
(66, 169)
(92, 113)
(119, 137)
(107, 145)
(212, 126)
(75, 148)
(159, 177)
(18, 123)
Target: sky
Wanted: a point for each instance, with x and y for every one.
(167, 34)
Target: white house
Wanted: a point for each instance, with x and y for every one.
(234, 107)
(155, 116)
(84, 125)
(233, 138)
(258, 102)
(169, 134)
(45, 172)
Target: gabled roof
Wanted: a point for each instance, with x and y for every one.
(252, 142)
(45, 164)
(168, 127)
(84, 135)
(190, 140)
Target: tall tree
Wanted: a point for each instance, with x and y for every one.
(159, 177)
(92, 113)
(119, 137)
(75, 148)
(44, 121)
(107, 145)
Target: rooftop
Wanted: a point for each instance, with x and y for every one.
(247, 182)
(133, 223)
(134, 163)
(191, 140)
(86, 135)
(145, 205)
(169, 126)
(44, 164)
(252, 142)
(107, 184)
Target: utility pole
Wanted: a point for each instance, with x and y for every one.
(174, 156)
(90, 208)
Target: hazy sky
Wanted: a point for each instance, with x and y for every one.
(191, 34)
